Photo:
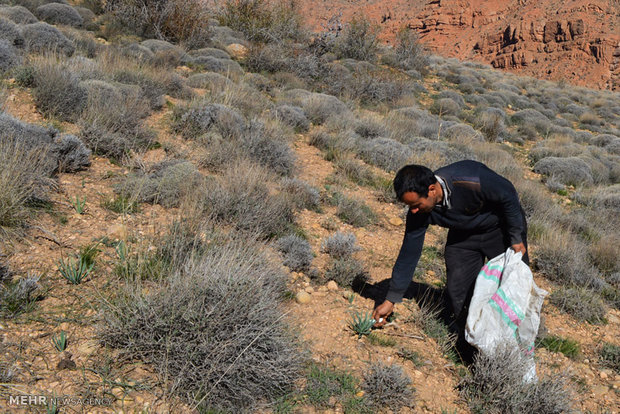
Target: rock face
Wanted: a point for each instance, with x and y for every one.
(576, 40)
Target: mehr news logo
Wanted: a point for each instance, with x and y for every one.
(57, 401)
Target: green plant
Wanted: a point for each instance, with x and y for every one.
(74, 271)
(19, 296)
(24, 76)
(610, 356)
(566, 346)
(381, 340)
(324, 383)
(79, 205)
(88, 253)
(410, 355)
(122, 205)
(60, 341)
(361, 323)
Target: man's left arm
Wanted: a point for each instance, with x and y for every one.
(499, 191)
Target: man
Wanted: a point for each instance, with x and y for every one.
(482, 211)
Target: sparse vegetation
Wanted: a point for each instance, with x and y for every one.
(388, 386)
(566, 346)
(340, 245)
(241, 354)
(297, 252)
(347, 272)
(610, 356)
(496, 385)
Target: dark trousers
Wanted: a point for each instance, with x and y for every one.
(465, 255)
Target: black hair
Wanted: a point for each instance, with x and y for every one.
(416, 178)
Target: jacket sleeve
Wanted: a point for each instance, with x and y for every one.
(408, 257)
(500, 192)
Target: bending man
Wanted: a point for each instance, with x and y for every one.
(482, 211)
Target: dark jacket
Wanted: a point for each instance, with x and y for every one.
(481, 201)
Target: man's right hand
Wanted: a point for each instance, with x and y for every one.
(382, 312)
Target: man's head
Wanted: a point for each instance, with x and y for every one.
(417, 186)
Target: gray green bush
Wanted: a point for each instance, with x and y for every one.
(57, 91)
(18, 14)
(241, 197)
(385, 153)
(167, 183)
(347, 272)
(302, 194)
(233, 350)
(9, 59)
(112, 122)
(296, 251)
(496, 385)
(582, 303)
(388, 386)
(567, 170)
(58, 13)
(43, 38)
(340, 245)
(10, 32)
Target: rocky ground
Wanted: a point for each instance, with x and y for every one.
(322, 317)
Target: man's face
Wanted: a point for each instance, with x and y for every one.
(419, 204)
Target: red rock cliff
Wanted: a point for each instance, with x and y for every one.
(576, 40)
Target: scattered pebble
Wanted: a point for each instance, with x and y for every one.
(331, 285)
(303, 297)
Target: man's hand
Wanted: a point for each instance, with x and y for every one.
(381, 313)
(519, 248)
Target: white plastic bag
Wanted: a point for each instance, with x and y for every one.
(505, 308)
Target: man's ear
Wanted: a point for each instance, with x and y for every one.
(432, 188)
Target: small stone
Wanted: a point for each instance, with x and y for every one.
(613, 319)
(237, 51)
(431, 273)
(322, 289)
(117, 232)
(395, 221)
(417, 374)
(331, 285)
(360, 394)
(603, 375)
(309, 289)
(600, 390)
(66, 363)
(303, 297)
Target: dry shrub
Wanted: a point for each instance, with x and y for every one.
(581, 303)
(358, 40)
(173, 20)
(264, 21)
(496, 386)
(112, 123)
(340, 245)
(410, 52)
(563, 257)
(297, 252)
(347, 272)
(57, 91)
(242, 197)
(388, 386)
(166, 183)
(24, 175)
(215, 330)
